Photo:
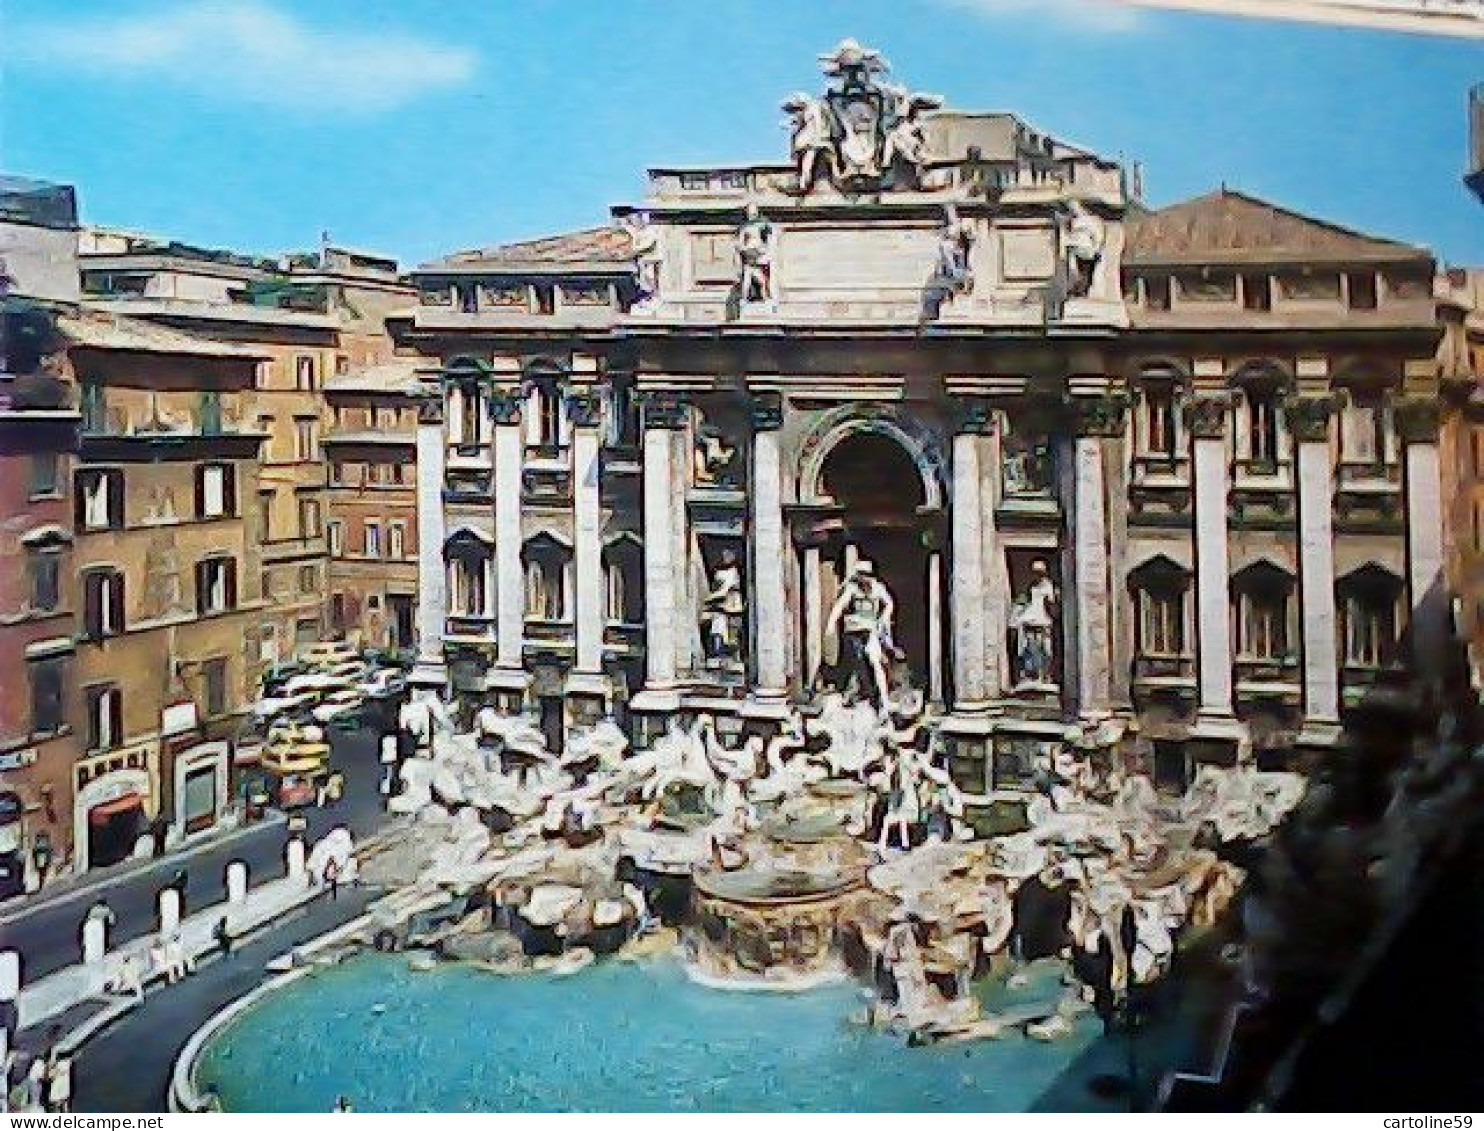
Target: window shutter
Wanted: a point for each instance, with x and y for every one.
(116, 601)
(92, 605)
(201, 491)
(230, 565)
(229, 489)
(80, 500)
(115, 500)
(201, 591)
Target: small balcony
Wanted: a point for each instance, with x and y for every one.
(468, 486)
(1269, 679)
(469, 628)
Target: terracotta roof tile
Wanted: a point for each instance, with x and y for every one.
(1232, 227)
(591, 245)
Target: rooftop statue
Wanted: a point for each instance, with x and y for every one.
(864, 133)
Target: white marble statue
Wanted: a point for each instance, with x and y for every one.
(1033, 621)
(755, 254)
(862, 615)
(423, 718)
(812, 140)
(722, 606)
(955, 238)
(648, 258)
(713, 456)
(1083, 237)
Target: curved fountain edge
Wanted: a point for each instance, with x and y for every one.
(183, 1095)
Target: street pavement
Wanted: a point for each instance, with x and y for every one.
(127, 1067)
(47, 929)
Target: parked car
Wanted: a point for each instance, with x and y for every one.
(384, 683)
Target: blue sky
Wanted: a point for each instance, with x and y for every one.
(420, 127)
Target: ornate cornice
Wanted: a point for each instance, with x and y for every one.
(1098, 416)
(1206, 415)
(767, 412)
(505, 405)
(1308, 417)
(584, 409)
(664, 409)
(1417, 420)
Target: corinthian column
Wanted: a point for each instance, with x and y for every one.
(509, 674)
(583, 412)
(770, 619)
(1206, 416)
(1308, 421)
(969, 510)
(1099, 421)
(1417, 425)
(663, 415)
(430, 670)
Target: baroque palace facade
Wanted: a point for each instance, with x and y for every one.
(1166, 476)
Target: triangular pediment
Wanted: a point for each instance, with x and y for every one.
(1232, 227)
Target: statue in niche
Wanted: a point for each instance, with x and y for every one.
(715, 459)
(722, 606)
(648, 258)
(755, 253)
(1033, 620)
(812, 140)
(862, 617)
(1083, 237)
(1026, 463)
(955, 238)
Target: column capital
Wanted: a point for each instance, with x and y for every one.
(1417, 420)
(664, 408)
(1308, 417)
(429, 405)
(584, 409)
(1098, 416)
(505, 405)
(976, 417)
(1205, 415)
(767, 411)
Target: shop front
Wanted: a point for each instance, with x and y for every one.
(201, 785)
(12, 845)
(114, 801)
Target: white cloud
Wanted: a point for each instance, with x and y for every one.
(250, 51)
(1084, 15)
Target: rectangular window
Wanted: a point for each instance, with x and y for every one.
(1361, 287)
(543, 297)
(1157, 292)
(373, 539)
(1161, 623)
(45, 474)
(216, 490)
(265, 516)
(105, 717)
(308, 579)
(306, 439)
(337, 613)
(399, 474)
(1476, 449)
(309, 518)
(48, 694)
(211, 412)
(216, 585)
(342, 365)
(94, 407)
(304, 375)
(102, 603)
(46, 573)
(1262, 427)
(1159, 420)
(100, 499)
(1262, 626)
(396, 541)
(214, 676)
(337, 473)
(335, 529)
(1257, 293)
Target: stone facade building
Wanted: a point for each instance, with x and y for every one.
(314, 317)
(371, 533)
(1170, 476)
(1461, 361)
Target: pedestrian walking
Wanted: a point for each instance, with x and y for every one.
(178, 882)
(59, 1085)
(332, 877)
(222, 933)
(34, 1095)
(159, 828)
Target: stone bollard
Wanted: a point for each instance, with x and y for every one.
(5, 1060)
(94, 940)
(236, 883)
(169, 911)
(10, 975)
(295, 855)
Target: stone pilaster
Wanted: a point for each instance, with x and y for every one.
(430, 671)
(770, 619)
(1097, 421)
(1308, 422)
(1417, 422)
(510, 601)
(583, 411)
(1206, 420)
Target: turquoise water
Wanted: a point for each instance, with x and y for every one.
(613, 1037)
